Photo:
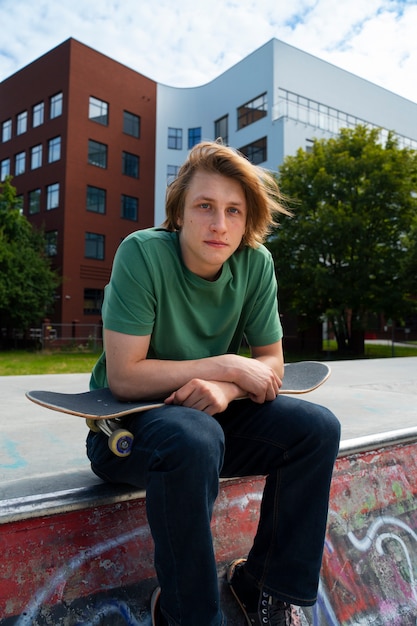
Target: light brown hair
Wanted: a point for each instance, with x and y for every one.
(263, 198)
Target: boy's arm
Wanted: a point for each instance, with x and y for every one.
(132, 376)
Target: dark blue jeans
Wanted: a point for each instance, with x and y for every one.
(179, 455)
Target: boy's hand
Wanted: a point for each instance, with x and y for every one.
(256, 377)
(205, 395)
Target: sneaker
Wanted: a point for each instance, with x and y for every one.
(259, 607)
(156, 615)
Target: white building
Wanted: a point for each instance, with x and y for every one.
(268, 105)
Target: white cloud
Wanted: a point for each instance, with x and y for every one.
(373, 39)
(190, 42)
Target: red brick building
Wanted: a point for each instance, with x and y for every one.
(78, 138)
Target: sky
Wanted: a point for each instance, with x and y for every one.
(185, 43)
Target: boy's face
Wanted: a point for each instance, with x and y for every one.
(213, 223)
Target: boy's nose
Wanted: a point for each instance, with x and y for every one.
(218, 221)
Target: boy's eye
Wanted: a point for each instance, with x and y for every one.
(204, 205)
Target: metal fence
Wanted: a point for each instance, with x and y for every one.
(85, 337)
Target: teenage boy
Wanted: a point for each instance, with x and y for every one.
(179, 303)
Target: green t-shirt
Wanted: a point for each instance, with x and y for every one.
(151, 292)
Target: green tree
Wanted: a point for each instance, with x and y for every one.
(409, 267)
(342, 255)
(27, 283)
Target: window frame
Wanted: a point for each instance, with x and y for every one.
(131, 124)
(6, 130)
(194, 136)
(51, 241)
(103, 151)
(130, 164)
(52, 196)
(38, 114)
(172, 173)
(218, 130)
(54, 149)
(36, 156)
(125, 209)
(95, 295)
(247, 114)
(56, 105)
(19, 159)
(96, 199)
(174, 138)
(253, 149)
(101, 107)
(21, 122)
(97, 240)
(37, 203)
(4, 169)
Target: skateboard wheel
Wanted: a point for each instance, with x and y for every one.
(120, 442)
(92, 425)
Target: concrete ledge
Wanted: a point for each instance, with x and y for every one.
(84, 555)
(62, 550)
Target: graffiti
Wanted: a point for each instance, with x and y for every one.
(58, 580)
(322, 611)
(16, 460)
(108, 611)
(370, 557)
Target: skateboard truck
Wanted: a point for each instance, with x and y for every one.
(120, 440)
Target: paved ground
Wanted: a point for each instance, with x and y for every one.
(45, 448)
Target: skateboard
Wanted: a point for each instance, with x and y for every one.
(104, 412)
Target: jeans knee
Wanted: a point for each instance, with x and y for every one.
(196, 439)
(327, 428)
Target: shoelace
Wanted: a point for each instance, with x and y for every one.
(275, 613)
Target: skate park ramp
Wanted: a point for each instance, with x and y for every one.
(77, 551)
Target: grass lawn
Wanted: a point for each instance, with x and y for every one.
(20, 362)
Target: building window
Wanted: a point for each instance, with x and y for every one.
(54, 149)
(20, 163)
(34, 201)
(175, 138)
(194, 137)
(98, 111)
(94, 246)
(309, 146)
(172, 172)
(97, 153)
(96, 199)
(221, 129)
(51, 243)
(38, 114)
(93, 301)
(22, 123)
(6, 131)
(130, 164)
(252, 111)
(36, 157)
(129, 208)
(131, 124)
(20, 202)
(4, 169)
(52, 196)
(255, 152)
(55, 105)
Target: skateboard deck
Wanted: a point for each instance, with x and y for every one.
(301, 377)
(102, 410)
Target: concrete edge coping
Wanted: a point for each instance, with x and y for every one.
(101, 494)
